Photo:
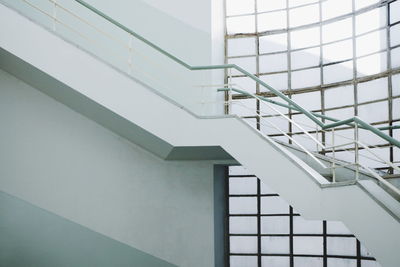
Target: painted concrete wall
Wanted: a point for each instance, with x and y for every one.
(270, 162)
(190, 30)
(31, 236)
(62, 162)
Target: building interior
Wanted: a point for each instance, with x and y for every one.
(232, 133)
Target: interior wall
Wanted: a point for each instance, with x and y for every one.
(31, 236)
(186, 29)
(60, 161)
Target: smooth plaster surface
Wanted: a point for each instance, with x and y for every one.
(63, 162)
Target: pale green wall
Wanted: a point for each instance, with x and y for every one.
(30, 236)
(65, 163)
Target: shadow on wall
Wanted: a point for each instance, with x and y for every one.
(31, 236)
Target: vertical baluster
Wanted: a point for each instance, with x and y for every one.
(356, 151)
(230, 91)
(317, 136)
(333, 156)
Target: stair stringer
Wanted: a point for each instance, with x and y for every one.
(296, 182)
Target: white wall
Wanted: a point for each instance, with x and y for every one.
(190, 30)
(65, 163)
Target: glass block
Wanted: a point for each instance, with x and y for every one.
(304, 15)
(275, 225)
(243, 244)
(342, 246)
(335, 8)
(370, 20)
(274, 205)
(308, 261)
(273, 43)
(370, 65)
(341, 114)
(364, 3)
(243, 225)
(396, 85)
(305, 123)
(272, 21)
(244, 83)
(338, 72)
(242, 205)
(277, 81)
(374, 112)
(242, 24)
(274, 125)
(244, 107)
(275, 244)
(372, 90)
(305, 38)
(335, 262)
(234, 7)
(273, 63)
(247, 63)
(370, 43)
(337, 30)
(305, 58)
(367, 137)
(263, 5)
(396, 108)
(339, 96)
(243, 261)
(238, 170)
(243, 185)
(395, 54)
(275, 261)
(241, 46)
(394, 12)
(338, 51)
(309, 100)
(271, 109)
(310, 245)
(303, 226)
(395, 35)
(374, 160)
(306, 78)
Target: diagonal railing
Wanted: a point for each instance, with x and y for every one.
(291, 104)
(354, 122)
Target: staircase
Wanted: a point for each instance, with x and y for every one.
(314, 181)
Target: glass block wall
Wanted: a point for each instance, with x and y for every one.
(264, 231)
(337, 57)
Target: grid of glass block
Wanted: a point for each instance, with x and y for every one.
(337, 57)
(265, 231)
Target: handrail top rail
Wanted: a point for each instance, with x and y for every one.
(310, 115)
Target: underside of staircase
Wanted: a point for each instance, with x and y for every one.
(172, 132)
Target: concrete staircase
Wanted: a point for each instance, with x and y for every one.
(155, 122)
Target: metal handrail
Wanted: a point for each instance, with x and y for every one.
(292, 104)
(354, 122)
(357, 142)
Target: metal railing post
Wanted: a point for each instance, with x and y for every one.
(356, 150)
(229, 104)
(317, 137)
